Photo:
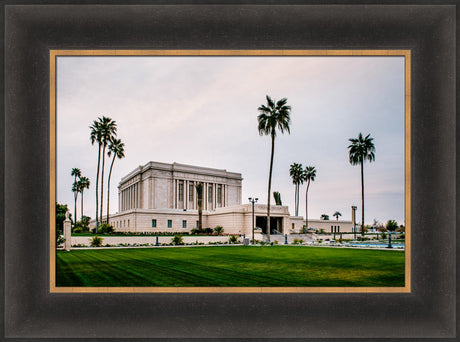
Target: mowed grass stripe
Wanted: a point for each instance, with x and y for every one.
(230, 266)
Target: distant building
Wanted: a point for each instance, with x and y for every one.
(160, 197)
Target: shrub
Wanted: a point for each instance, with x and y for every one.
(177, 240)
(304, 230)
(321, 231)
(383, 235)
(60, 240)
(194, 231)
(233, 239)
(207, 230)
(218, 230)
(96, 241)
(76, 229)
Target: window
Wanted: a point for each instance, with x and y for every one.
(154, 223)
(169, 223)
(184, 223)
(210, 194)
(293, 226)
(197, 224)
(219, 194)
(338, 229)
(332, 229)
(190, 192)
(128, 223)
(181, 191)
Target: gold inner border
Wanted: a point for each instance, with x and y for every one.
(344, 53)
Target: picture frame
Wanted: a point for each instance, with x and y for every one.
(32, 312)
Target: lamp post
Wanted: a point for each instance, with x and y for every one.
(253, 200)
(353, 208)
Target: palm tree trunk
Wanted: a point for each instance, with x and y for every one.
(102, 180)
(97, 185)
(75, 207)
(108, 186)
(297, 199)
(362, 198)
(306, 205)
(81, 219)
(270, 186)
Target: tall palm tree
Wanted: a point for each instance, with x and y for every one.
(96, 136)
(296, 174)
(75, 190)
(199, 195)
(272, 116)
(100, 131)
(118, 149)
(309, 175)
(108, 132)
(360, 150)
(76, 172)
(337, 214)
(83, 184)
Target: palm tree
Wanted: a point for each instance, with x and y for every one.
(83, 184)
(199, 195)
(108, 132)
(296, 174)
(76, 172)
(324, 217)
(75, 190)
(337, 214)
(309, 174)
(118, 149)
(95, 136)
(273, 116)
(360, 150)
(277, 197)
(99, 133)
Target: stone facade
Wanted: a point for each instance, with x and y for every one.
(172, 186)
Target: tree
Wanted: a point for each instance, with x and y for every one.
(337, 214)
(272, 116)
(296, 174)
(309, 175)
(392, 225)
(199, 194)
(277, 197)
(76, 172)
(118, 149)
(101, 130)
(324, 217)
(360, 150)
(108, 132)
(83, 184)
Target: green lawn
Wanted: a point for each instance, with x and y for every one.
(230, 266)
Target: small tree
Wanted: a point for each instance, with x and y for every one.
(392, 225)
(324, 217)
(277, 197)
(218, 230)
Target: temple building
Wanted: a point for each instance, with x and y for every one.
(159, 197)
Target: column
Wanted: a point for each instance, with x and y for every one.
(185, 194)
(176, 186)
(205, 196)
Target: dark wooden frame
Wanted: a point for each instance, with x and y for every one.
(32, 313)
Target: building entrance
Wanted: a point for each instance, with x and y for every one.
(276, 224)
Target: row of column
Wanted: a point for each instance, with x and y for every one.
(184, 187)
(129, 197)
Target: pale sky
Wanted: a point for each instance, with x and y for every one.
(203, 111)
